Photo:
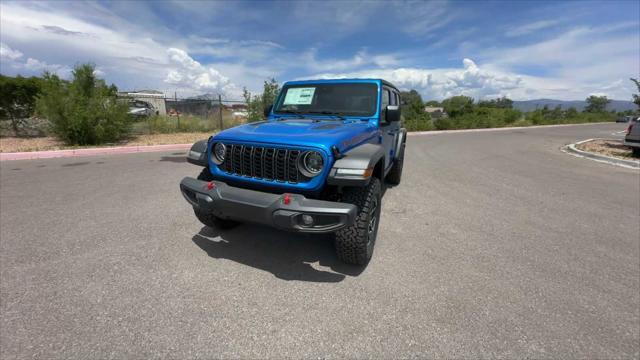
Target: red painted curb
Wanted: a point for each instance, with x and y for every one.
(91, 152)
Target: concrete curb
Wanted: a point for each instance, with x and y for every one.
(31, 155)
(572, 150)
(437, 132)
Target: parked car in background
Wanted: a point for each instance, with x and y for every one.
(140, 109)
(632, 139)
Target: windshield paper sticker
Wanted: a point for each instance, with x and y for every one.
(299, 96)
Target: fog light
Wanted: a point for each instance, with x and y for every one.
(307, 220)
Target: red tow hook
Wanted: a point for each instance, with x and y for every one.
(286, 199)
(211, 185)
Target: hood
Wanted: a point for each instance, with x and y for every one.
(303, 132)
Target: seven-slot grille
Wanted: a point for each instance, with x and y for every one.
(263, 163)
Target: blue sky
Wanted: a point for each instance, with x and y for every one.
(520, 49)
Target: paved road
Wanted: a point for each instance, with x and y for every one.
(496, 245)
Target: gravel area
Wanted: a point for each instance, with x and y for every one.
(613, 148)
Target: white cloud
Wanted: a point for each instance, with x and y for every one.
(362, 58)
(126, 54)
(188, 74)
(8, 53)
(530, 27)
(422, 17)
(442, 83)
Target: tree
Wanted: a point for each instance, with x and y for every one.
(412, 107)
(18, 99)
(433, 103)
(499, 103)
(596, 104)
(636, 97)
(269, 93)
(458, 105)
(84, 111)
(415, 118)
(257, 104)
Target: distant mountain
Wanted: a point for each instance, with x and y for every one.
(530, 105)
(207, 96)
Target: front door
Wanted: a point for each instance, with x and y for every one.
(389, 130)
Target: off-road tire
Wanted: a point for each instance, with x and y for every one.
(208, 219)
(354, 244)
(636, 151)
(395, 174)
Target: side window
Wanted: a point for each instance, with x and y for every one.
(383, 105)
(394, 98)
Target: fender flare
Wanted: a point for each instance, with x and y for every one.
(402, 140)
(362, 157)
(198, 153)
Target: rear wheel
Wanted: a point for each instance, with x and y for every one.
(354, 244)
(636, 151)
(208, 219)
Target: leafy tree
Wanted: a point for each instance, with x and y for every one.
(499, 103)
(269, 93)
(415, 118)
(596, 104)
(84, 111)
(257, 104)
(458, 105)
(636, 97)
(18, 99)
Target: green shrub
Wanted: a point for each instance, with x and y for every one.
(84, 111)
(418, 124)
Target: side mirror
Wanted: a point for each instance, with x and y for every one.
(267, 111)
(392, 113)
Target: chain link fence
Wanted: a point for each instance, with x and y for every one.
(172, 115)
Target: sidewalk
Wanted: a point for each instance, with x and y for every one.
(30, 155)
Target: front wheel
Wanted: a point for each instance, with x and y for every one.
(636, 151)
(211, 220)
(354, 244)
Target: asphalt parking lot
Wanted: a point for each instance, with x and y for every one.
(496, 244)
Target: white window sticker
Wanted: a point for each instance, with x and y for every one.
(299, 96)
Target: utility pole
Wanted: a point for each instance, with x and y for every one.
(175, 98)
(220, 111)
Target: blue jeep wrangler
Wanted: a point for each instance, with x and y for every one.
(317, 164)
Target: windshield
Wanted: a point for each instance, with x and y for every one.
(355, 99)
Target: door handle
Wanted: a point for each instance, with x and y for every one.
(391, 132)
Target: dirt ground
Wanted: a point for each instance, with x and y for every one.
(613, 148)
(14, 144)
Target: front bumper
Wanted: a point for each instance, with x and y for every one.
(281, 211)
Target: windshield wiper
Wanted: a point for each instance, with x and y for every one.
(330, 113)
(299, 113)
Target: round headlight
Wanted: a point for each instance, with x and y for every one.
(311, 163)
(217, 155)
